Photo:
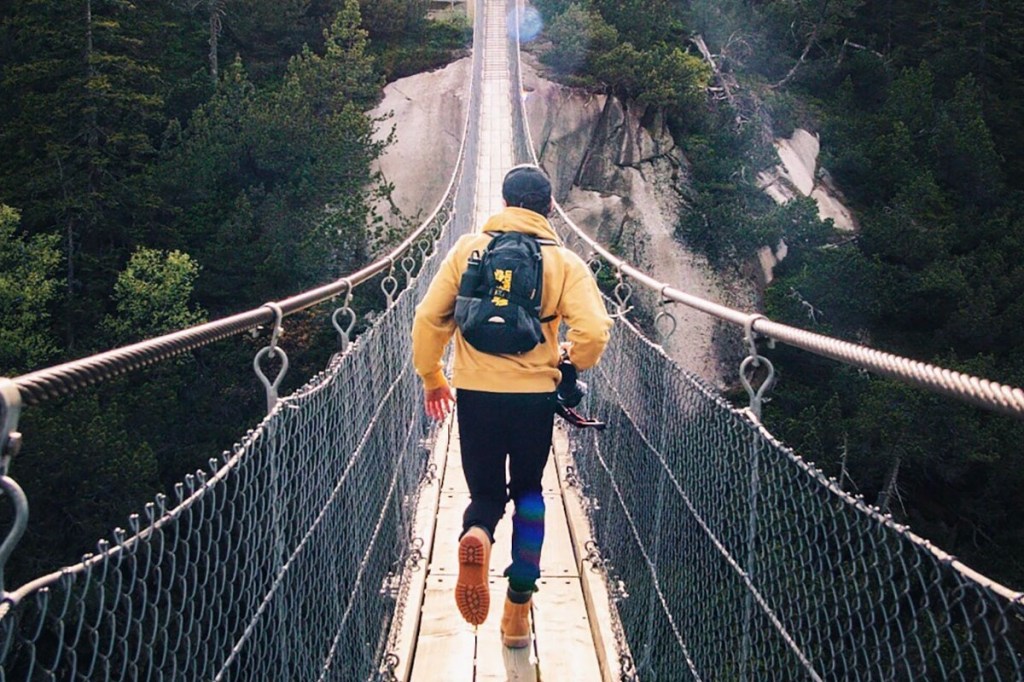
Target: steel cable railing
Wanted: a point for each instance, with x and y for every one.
(982, 392)
(282, 561)
(726, 555)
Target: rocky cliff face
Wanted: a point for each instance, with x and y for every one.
(618, 172)
(425, 114)
(798, 174)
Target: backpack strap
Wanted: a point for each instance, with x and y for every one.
(547, 242)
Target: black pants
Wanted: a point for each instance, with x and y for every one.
(493, 426)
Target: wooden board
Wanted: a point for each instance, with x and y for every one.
(592, 583)
(558, 557)
(451, 649)
(447, 644)
(565, 646)
(424, 523)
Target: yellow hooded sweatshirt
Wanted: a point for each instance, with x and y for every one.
(570, 294)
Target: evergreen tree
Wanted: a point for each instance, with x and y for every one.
(258, 166)
(151, 297)
(78, 136)
(27, 289)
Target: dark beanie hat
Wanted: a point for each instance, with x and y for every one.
(527, 187)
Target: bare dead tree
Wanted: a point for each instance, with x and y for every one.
(215, 10)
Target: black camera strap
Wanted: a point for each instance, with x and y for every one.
(578, 420)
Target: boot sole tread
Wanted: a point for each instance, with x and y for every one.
(472, 595)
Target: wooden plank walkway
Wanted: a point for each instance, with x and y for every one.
(572, 635)
(448, 648)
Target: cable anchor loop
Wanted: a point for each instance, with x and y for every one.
(345, 332)
(389, 285)
(10, 412)
(272, 350)
(622, 293)
(408, 267)
(755, 360)
(665, 323)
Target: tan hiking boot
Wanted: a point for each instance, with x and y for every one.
(515, 625)
(472, 595)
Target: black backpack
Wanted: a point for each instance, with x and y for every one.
(498, 306)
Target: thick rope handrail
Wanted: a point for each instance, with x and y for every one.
(64, 379)
(990, 395)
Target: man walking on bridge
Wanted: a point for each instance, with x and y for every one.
(506, 399)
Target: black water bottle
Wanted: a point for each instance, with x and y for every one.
(469, 285)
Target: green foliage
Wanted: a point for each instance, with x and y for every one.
(661, 76)
(152, 295)
(80, 480)
(729, 217)
(78, 134)
(834, 290)
(27, 289)
(673, 79)
(260, 165)
(164, 195)
(585, 49)
(918, 110)
(387, 19)
(645, 22)
(345, 75)
(431, 44)
(264, 33)
(552, 8)
(578, 36)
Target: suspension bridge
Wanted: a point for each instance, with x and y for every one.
(683, 542)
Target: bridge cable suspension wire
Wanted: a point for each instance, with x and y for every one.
(36, 387)
(990, 395)
(819, 583)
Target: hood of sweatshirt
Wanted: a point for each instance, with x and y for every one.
(515, 219)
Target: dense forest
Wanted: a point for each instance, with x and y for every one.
(162, 164)
(919, 106)
(166, 163)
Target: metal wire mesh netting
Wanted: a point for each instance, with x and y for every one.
(735, 559)
(260, 571)
(280, 564)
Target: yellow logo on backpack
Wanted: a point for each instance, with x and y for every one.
(503, 285)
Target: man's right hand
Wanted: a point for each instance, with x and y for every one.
(438, 402)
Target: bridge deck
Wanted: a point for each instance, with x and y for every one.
(567, 637)
(447, 647)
